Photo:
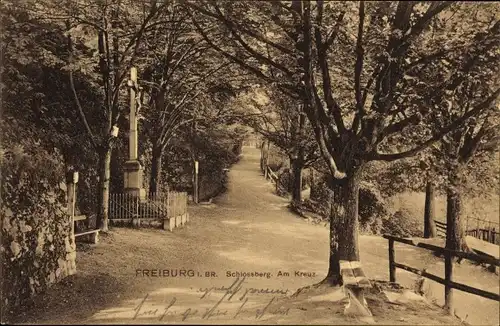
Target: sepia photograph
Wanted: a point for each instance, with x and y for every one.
(248, 162)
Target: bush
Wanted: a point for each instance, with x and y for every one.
(35, 226)
(372, 206)
(372, 209)
(216, 149)
(403, 224)
(322, 209)
(283, 181)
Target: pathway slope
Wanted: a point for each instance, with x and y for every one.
(191, 275)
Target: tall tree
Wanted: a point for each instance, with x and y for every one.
(179, 68)
(465, 149)
(106, 36)
(283, 122)
(351, 60)
(37, 94)
(451, 87)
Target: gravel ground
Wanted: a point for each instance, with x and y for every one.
(248, 229)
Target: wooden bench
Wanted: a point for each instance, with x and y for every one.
(355, 282)
(80, 218)
(91, 235)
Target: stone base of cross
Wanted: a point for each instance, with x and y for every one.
(133, 179)
(133, 171)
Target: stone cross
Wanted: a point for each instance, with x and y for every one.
(132, 168)
(132, 83)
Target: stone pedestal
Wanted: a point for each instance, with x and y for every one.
(133, 177)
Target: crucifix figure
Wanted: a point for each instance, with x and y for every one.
(133, 170)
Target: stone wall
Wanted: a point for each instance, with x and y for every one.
(37, 247)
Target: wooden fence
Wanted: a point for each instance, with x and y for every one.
(269, 174)
(447, 281)
(489, 235)
(485, 231)
(155, 209)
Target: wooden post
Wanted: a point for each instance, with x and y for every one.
(136, 211)
(277, 185)
(71, 180)
(429, 225)
(262, 156)
(448, 277)
(196, 186)
(266, 161)
(71, 205)
(392, 267)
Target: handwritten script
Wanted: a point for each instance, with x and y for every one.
(235, 291)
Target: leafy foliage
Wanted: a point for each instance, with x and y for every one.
(35, 226)
(403, 224)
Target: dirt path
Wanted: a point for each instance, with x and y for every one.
(248, 229)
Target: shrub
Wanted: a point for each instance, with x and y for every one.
(372, 209)
(372, 206)
(35, 227)
(283, 181)
(403, 224)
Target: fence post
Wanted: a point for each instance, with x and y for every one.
(429, 224)
(196, 183)
(267, 156)
(448, 277)
(478, 232)
(71, 194)
(392, 267)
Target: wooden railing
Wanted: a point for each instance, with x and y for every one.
(440, 228)
(272, 175)
(269, 174)
(447, 281)
(488, 234)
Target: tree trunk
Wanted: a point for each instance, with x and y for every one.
(296, 167)
(316, 186)
(266, 159)
(104, 176)
(344, 224)
(154, 182)
(455, 235)
(429, 225)
(262, 154)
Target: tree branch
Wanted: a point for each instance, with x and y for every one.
(358, 69)
(230, 24)
(332, 105)
(75, 96)
(257, 72)
(452, 126)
